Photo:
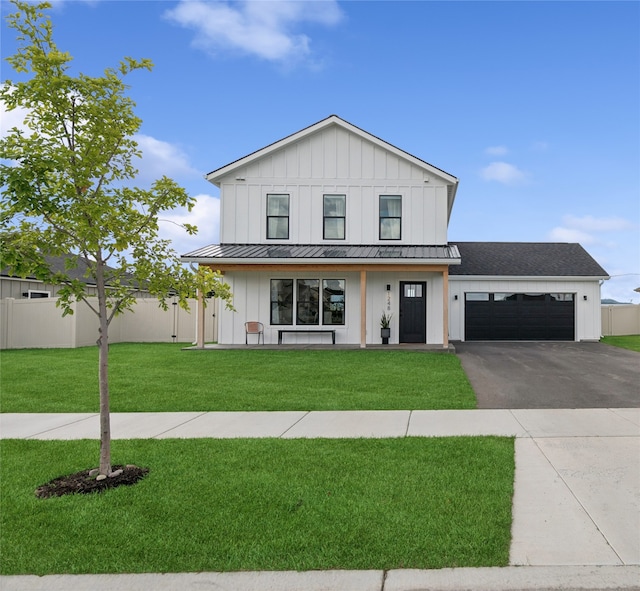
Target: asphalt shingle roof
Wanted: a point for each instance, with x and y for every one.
(527, 259)
(57, 264)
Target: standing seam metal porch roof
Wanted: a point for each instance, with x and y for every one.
(447, 254)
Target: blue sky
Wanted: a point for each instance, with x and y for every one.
(534, 106)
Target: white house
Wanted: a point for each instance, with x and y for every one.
(327, 229)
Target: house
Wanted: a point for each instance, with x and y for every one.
(13, 286)
(30, 317)
(327, 229)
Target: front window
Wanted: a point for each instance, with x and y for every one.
(333, 301)
(278, 217)
(282, 301)
(390, 217)
(309, 309)
(308, 302)
(334, 212)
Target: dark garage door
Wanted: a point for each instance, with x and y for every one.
(519, 317)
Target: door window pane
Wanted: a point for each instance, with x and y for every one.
(505, 297)
(562, 297)
(476, 297)
(413, 290)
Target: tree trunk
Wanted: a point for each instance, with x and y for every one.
(103, 373)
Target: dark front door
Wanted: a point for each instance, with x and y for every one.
(413, 312)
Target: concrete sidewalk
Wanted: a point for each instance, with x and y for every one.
(576, 507)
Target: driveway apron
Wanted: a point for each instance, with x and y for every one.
(551, 374)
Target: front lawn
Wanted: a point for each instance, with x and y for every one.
(163, 378)
(631, 342)
(261, 504)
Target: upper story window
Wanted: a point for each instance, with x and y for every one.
(390, 217)
(334, 212)
(278, 216)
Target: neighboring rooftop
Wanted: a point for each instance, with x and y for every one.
(526, 259)
(57, 264)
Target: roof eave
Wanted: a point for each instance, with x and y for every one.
(529, 277)
(317, 261)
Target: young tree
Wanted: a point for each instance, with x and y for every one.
(65, 191)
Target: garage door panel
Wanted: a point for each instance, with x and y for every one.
(520, 316)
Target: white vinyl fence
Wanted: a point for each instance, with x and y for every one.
(38, 323)
(620, 319)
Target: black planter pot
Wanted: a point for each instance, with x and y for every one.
(385, 333)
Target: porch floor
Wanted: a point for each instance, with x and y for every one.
(327, 347)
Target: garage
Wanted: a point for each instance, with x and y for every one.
(505, 316)
(524, 291)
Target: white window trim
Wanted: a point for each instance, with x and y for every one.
(31, 292)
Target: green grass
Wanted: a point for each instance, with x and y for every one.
(261, 504)
(631, 342)
(162, 378)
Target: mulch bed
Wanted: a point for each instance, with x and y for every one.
(85, 483)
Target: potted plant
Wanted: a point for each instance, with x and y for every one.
(385, 330)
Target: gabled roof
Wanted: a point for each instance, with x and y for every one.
(526, 259)
(57, 264)
(217, 174)
(322, 253)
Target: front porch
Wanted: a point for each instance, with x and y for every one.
(418, 347)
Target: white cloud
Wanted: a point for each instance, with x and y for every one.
(158, 157)
(540, 146)
(11, 119)
(161, 158)
(205, 215)
(497, 150)
(263, 29)
(503, 172)
(589, 223)
(590, 230)
(561, 234)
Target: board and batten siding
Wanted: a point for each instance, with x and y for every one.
(587, 312)
(333, 161)
(251, 299)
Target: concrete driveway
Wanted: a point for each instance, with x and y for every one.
(551, 374)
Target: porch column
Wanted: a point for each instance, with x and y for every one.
(445, 308)
(363, 309)
(200, 321)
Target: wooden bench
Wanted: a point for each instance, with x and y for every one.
(310, 331)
